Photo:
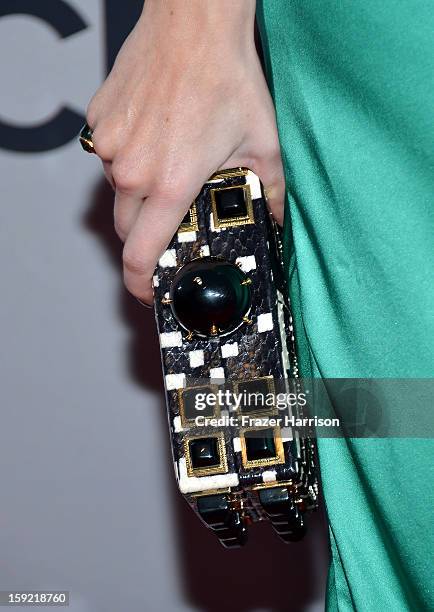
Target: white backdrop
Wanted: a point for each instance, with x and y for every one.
(88, 498)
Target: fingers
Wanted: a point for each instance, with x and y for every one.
(193, 119)
(157, 221)
(126, 210)
(148, 225)
(270, 171)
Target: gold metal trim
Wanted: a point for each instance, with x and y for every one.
(276, 460)
(273, 484)
(260, 410)
(211, 492)
(221, 468)
(229, 173)
(193, 226)
(235, 221)
(186, 422)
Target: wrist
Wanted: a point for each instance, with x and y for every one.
(220, 22)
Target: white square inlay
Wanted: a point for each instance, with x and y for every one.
(246, 263)
(168, 259)
(268, 475)
(237, 445)
(186, 236)
(255, 186)
(175, 381)
(229, 350)
(265, 322)
(217, 373)
(170, 339)
(196, 358)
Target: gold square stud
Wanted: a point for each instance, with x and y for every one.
(188, 412)
(232, 219)
(267, 450)
(263, 385)
(205, 455)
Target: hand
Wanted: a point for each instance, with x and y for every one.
(185, 98)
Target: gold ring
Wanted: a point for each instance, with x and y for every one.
(85, 139)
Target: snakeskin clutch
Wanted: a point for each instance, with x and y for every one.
(230, 365)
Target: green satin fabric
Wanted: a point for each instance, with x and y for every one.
(353, 87)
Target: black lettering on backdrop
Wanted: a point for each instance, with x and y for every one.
(66, 123)
(119, 19)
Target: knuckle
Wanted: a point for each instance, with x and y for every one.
(133, 261)
(126, 177)
(103, 143)
(173, 189)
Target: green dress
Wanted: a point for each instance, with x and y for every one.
(353, 85)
